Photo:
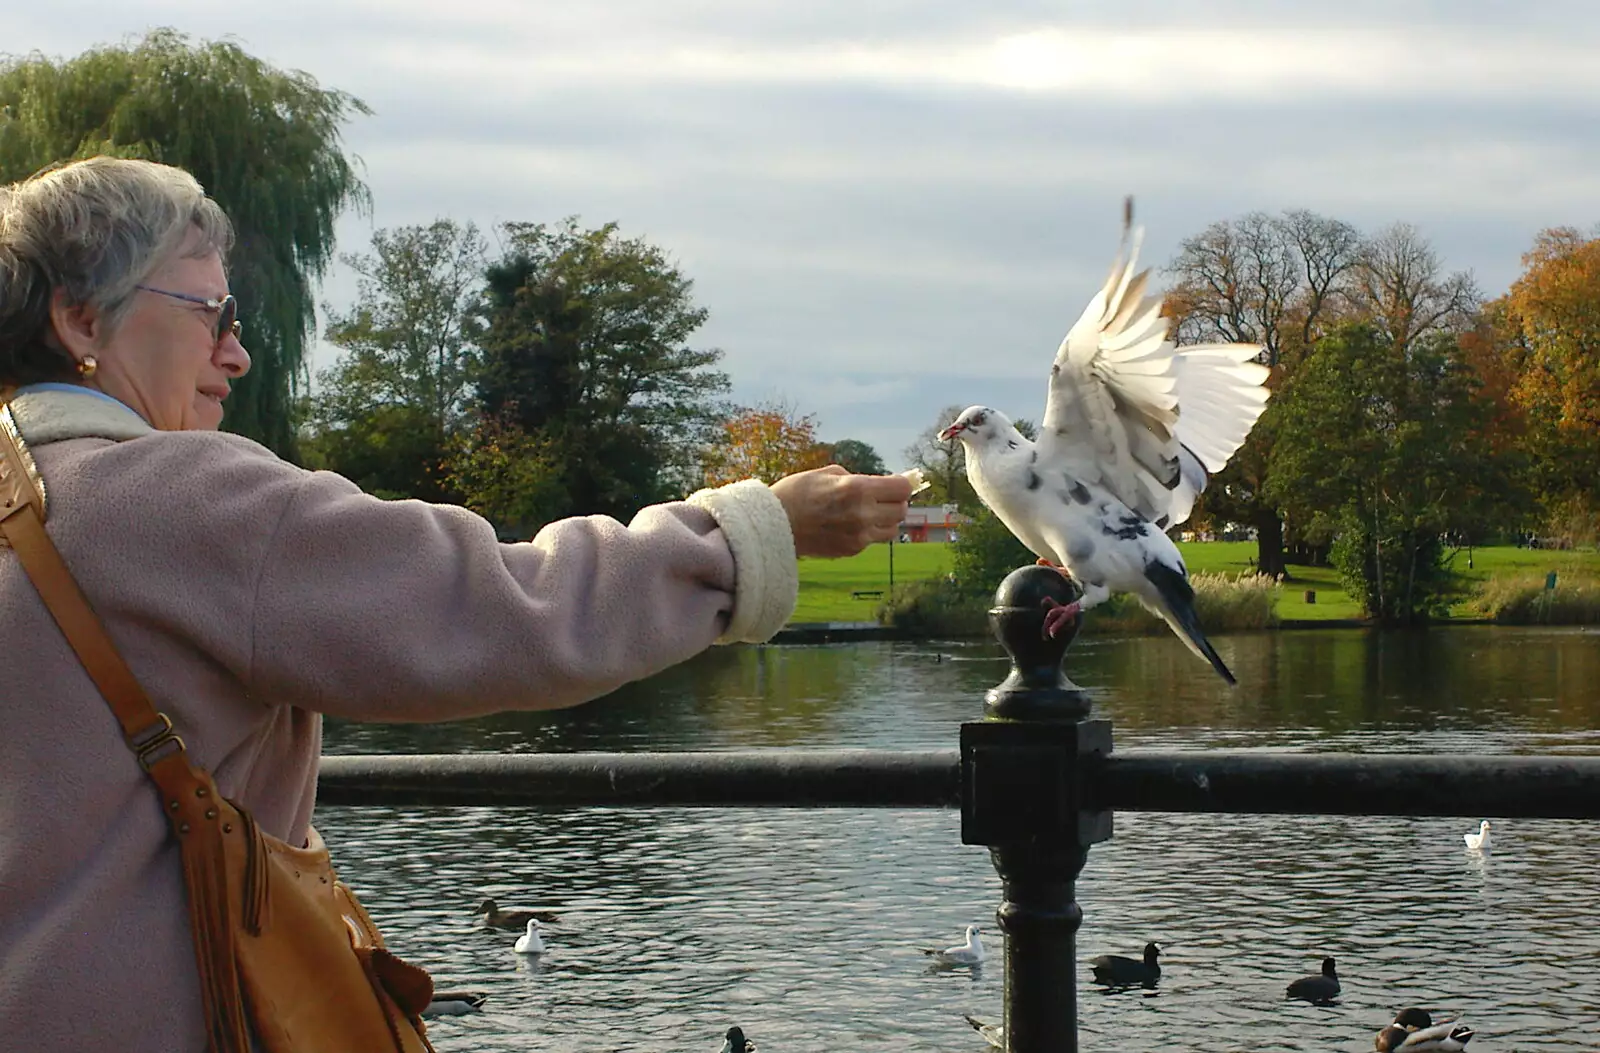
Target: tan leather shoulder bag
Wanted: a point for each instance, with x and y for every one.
(283, 946)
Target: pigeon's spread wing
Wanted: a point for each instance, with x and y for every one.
(1220, 396)
(1131, 411)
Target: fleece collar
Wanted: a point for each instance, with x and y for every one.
(53, 416)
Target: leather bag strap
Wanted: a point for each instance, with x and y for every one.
(146, 731)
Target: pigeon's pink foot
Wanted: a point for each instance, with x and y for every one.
(1059, 616)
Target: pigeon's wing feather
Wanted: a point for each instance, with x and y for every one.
(1220, 397)
(1112, 410)
(1221, 394)
(1131, 411)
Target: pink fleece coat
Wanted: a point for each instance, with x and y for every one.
(250, 597)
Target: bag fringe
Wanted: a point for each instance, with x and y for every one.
(205, 876)
(257, 874)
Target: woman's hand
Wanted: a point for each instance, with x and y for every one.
(834, 513)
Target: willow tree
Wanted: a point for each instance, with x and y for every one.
(264, 142)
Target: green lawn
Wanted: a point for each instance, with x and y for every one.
(826, 584)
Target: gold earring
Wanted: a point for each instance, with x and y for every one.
(87, 367)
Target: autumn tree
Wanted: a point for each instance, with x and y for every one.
(765, 442)
(391, 409)
(858, 457)
(264, 142)
(1549, 330)
(586, 349)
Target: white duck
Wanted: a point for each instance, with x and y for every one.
(530, 942)
(1478, 842)
(968, 953)
(1132, 424)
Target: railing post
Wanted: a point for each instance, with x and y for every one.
(1022, 795)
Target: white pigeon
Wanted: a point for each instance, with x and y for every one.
(1132, 424)
(735, 1042)
(1478, 842)
(530, 942)
(968, 953)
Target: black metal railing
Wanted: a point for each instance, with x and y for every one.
(1036, 782)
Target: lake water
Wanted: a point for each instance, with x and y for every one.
(805, 927)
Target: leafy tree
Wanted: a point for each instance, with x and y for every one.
(511, 478)
(1382, 449)
(393, 407)
(766, 442)
(585, 349)
(265, 144)
(858, 457)
(984, 552)
(943, 463)
(389, 451)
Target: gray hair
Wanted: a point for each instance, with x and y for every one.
(94, 230)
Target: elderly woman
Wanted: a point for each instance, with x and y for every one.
(250, 597)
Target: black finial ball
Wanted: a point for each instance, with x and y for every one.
(1036, 686)
(1026, 595)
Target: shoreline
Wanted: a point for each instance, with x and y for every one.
(840, 632)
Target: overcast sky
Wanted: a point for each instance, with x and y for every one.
(890, 206)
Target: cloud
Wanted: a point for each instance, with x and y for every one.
(1135, 67)
(892, 207)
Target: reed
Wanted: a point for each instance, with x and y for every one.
(1522, 599)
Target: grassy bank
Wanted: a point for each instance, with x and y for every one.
(828, 587)
(1524, 599)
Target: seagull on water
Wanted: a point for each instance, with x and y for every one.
(530, 942)
(968, 953)
(1478, 842)
(1132, 424)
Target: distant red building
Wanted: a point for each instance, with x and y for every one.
(932, 523)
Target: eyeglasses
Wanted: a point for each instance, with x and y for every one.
(227, 310)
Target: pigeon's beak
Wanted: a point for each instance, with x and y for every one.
(951, 432)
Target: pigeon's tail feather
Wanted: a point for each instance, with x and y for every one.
(1176, 608)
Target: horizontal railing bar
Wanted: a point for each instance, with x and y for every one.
(1468, 786)
(767, 778)
(1210, 781)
